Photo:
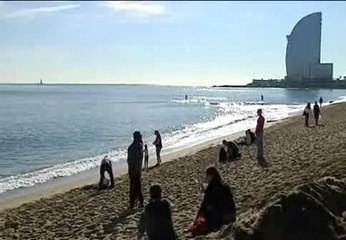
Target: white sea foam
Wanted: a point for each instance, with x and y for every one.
(233, 117)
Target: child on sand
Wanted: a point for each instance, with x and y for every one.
(146, 157)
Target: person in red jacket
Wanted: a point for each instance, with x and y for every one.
(259, 135)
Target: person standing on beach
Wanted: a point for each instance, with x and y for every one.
(158, 146)
(106, 166)
(307, 112)
(146, 157)
(156, 219)
(321, 101)
(259, 135)
(134, 162)
(317, 112)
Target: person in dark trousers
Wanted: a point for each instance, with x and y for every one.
(217, 208)
(146, 157)
(223, 152)
(307, 113)
(321, 101)
(134, 162)
(156, 220)
(158, 146)
(106, 166)
(317, 112)
(259, 136)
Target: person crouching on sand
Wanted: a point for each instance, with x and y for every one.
(217, 208)
(146, 157)
(158, 146)
(106, 166)
(156, 219)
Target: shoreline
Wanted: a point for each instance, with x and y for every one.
(17, 197)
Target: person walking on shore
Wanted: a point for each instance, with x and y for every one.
(259, 136)
(134, 162)
(307, 112)
(106, 166)
(317, 112)
(321, 101)
(158, 146)
(156, 219)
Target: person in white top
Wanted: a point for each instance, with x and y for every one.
(146, 157)
(307, 113)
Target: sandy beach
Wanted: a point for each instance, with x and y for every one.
(295, 155)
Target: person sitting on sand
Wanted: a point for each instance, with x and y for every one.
(233, 151)
(146, 157)
(156, 219)
(158, 146)
(106, 166)
(249, 138)
(134, 162)
(317, 112)
(217, 208)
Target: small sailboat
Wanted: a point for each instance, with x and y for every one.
(41, 83)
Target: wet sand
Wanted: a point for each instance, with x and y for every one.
(295, 155)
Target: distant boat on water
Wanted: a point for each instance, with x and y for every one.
(40, 83)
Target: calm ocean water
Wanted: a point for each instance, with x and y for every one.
(52, 131)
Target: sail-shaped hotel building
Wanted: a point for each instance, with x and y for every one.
(303, 52)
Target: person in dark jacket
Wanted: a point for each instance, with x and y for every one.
(321, 101)
(223, 152)
(106, 166)
(134, 162)
(233, 151)
(218, 206)
(317, 112)
(156, 219)
(158, 146)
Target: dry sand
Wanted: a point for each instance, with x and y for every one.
(295, 155)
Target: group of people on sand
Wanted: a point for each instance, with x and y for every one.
(106, 164)
(216, 209)
(230, 151)
(218, 206)
(316, 112)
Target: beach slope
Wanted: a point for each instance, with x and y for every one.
(295, 155)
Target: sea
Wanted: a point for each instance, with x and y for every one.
(55, 131)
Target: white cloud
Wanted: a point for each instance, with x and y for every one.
(136, 8)
(34, 11)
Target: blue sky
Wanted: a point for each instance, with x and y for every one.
(170, 43)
